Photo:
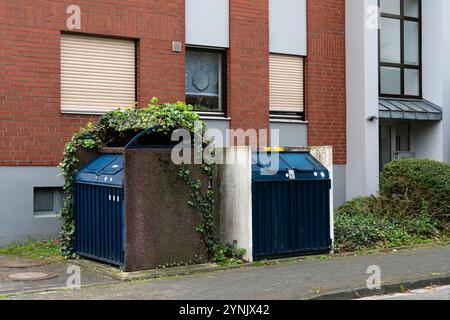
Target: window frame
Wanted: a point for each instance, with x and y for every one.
(402, 65)
(102, 36)
(396, 127)
(393, 152)
(223, 77)
(290, 115)
(57, 202)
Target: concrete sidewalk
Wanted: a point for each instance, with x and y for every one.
(58, 272)
(339, 277)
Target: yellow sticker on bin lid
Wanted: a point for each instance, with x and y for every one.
(274, 149)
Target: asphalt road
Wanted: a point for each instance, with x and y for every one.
(438, 293)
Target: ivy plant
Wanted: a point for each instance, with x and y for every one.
(115, 129)
(84, 138)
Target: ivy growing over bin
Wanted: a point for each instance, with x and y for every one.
(117, 128)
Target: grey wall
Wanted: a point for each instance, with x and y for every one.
(287, 25)
(217, 129)
(17, 221)
(425, 142)
(290, 134)
(207, 23)
(362, 99)
(339, 184)
(436, 74)
(446, 70)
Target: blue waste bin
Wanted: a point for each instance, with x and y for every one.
(98, 207)
(290, 206)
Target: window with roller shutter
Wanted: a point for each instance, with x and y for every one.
(286, 84)
(97, 74)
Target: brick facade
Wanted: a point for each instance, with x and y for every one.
(32, 129)
(248, 65)
(325, 76)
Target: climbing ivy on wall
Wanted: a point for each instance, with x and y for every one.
(117, 128)
(204, 202)
(84, 138)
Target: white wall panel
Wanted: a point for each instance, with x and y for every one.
(207, 23)
(287, 24)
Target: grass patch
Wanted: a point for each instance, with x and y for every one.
(45, 249)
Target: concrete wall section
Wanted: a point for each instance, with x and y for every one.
(325, 156)
(446, 70)
(160, 226)
(339, 184)
(362, 99)
(234, 183)
(432, 53)
(429, 138)
(288, 134)
(207, 23)
(287, 25)
(17, 220)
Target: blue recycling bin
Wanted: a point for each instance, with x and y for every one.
(98, 206)
(290, 206)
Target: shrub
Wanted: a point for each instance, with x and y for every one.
(406, 186)
(359, 231)
(358, 206)
(413, 206)
(359, 228)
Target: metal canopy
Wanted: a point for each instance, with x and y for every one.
(409, 109)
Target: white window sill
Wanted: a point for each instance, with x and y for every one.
(213, 116)
(46, 215)
(278, 120)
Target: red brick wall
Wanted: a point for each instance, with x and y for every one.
(248, 64)
(325, 76)
(32, 129)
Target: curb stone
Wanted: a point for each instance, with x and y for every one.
(385, 289)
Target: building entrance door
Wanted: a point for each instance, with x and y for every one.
(385, 145)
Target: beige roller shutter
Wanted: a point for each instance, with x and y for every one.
(286, 83)
(97, 74)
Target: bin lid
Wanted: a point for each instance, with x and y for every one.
(287, 166)
(106, 169)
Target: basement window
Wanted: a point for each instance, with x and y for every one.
(47, 201)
